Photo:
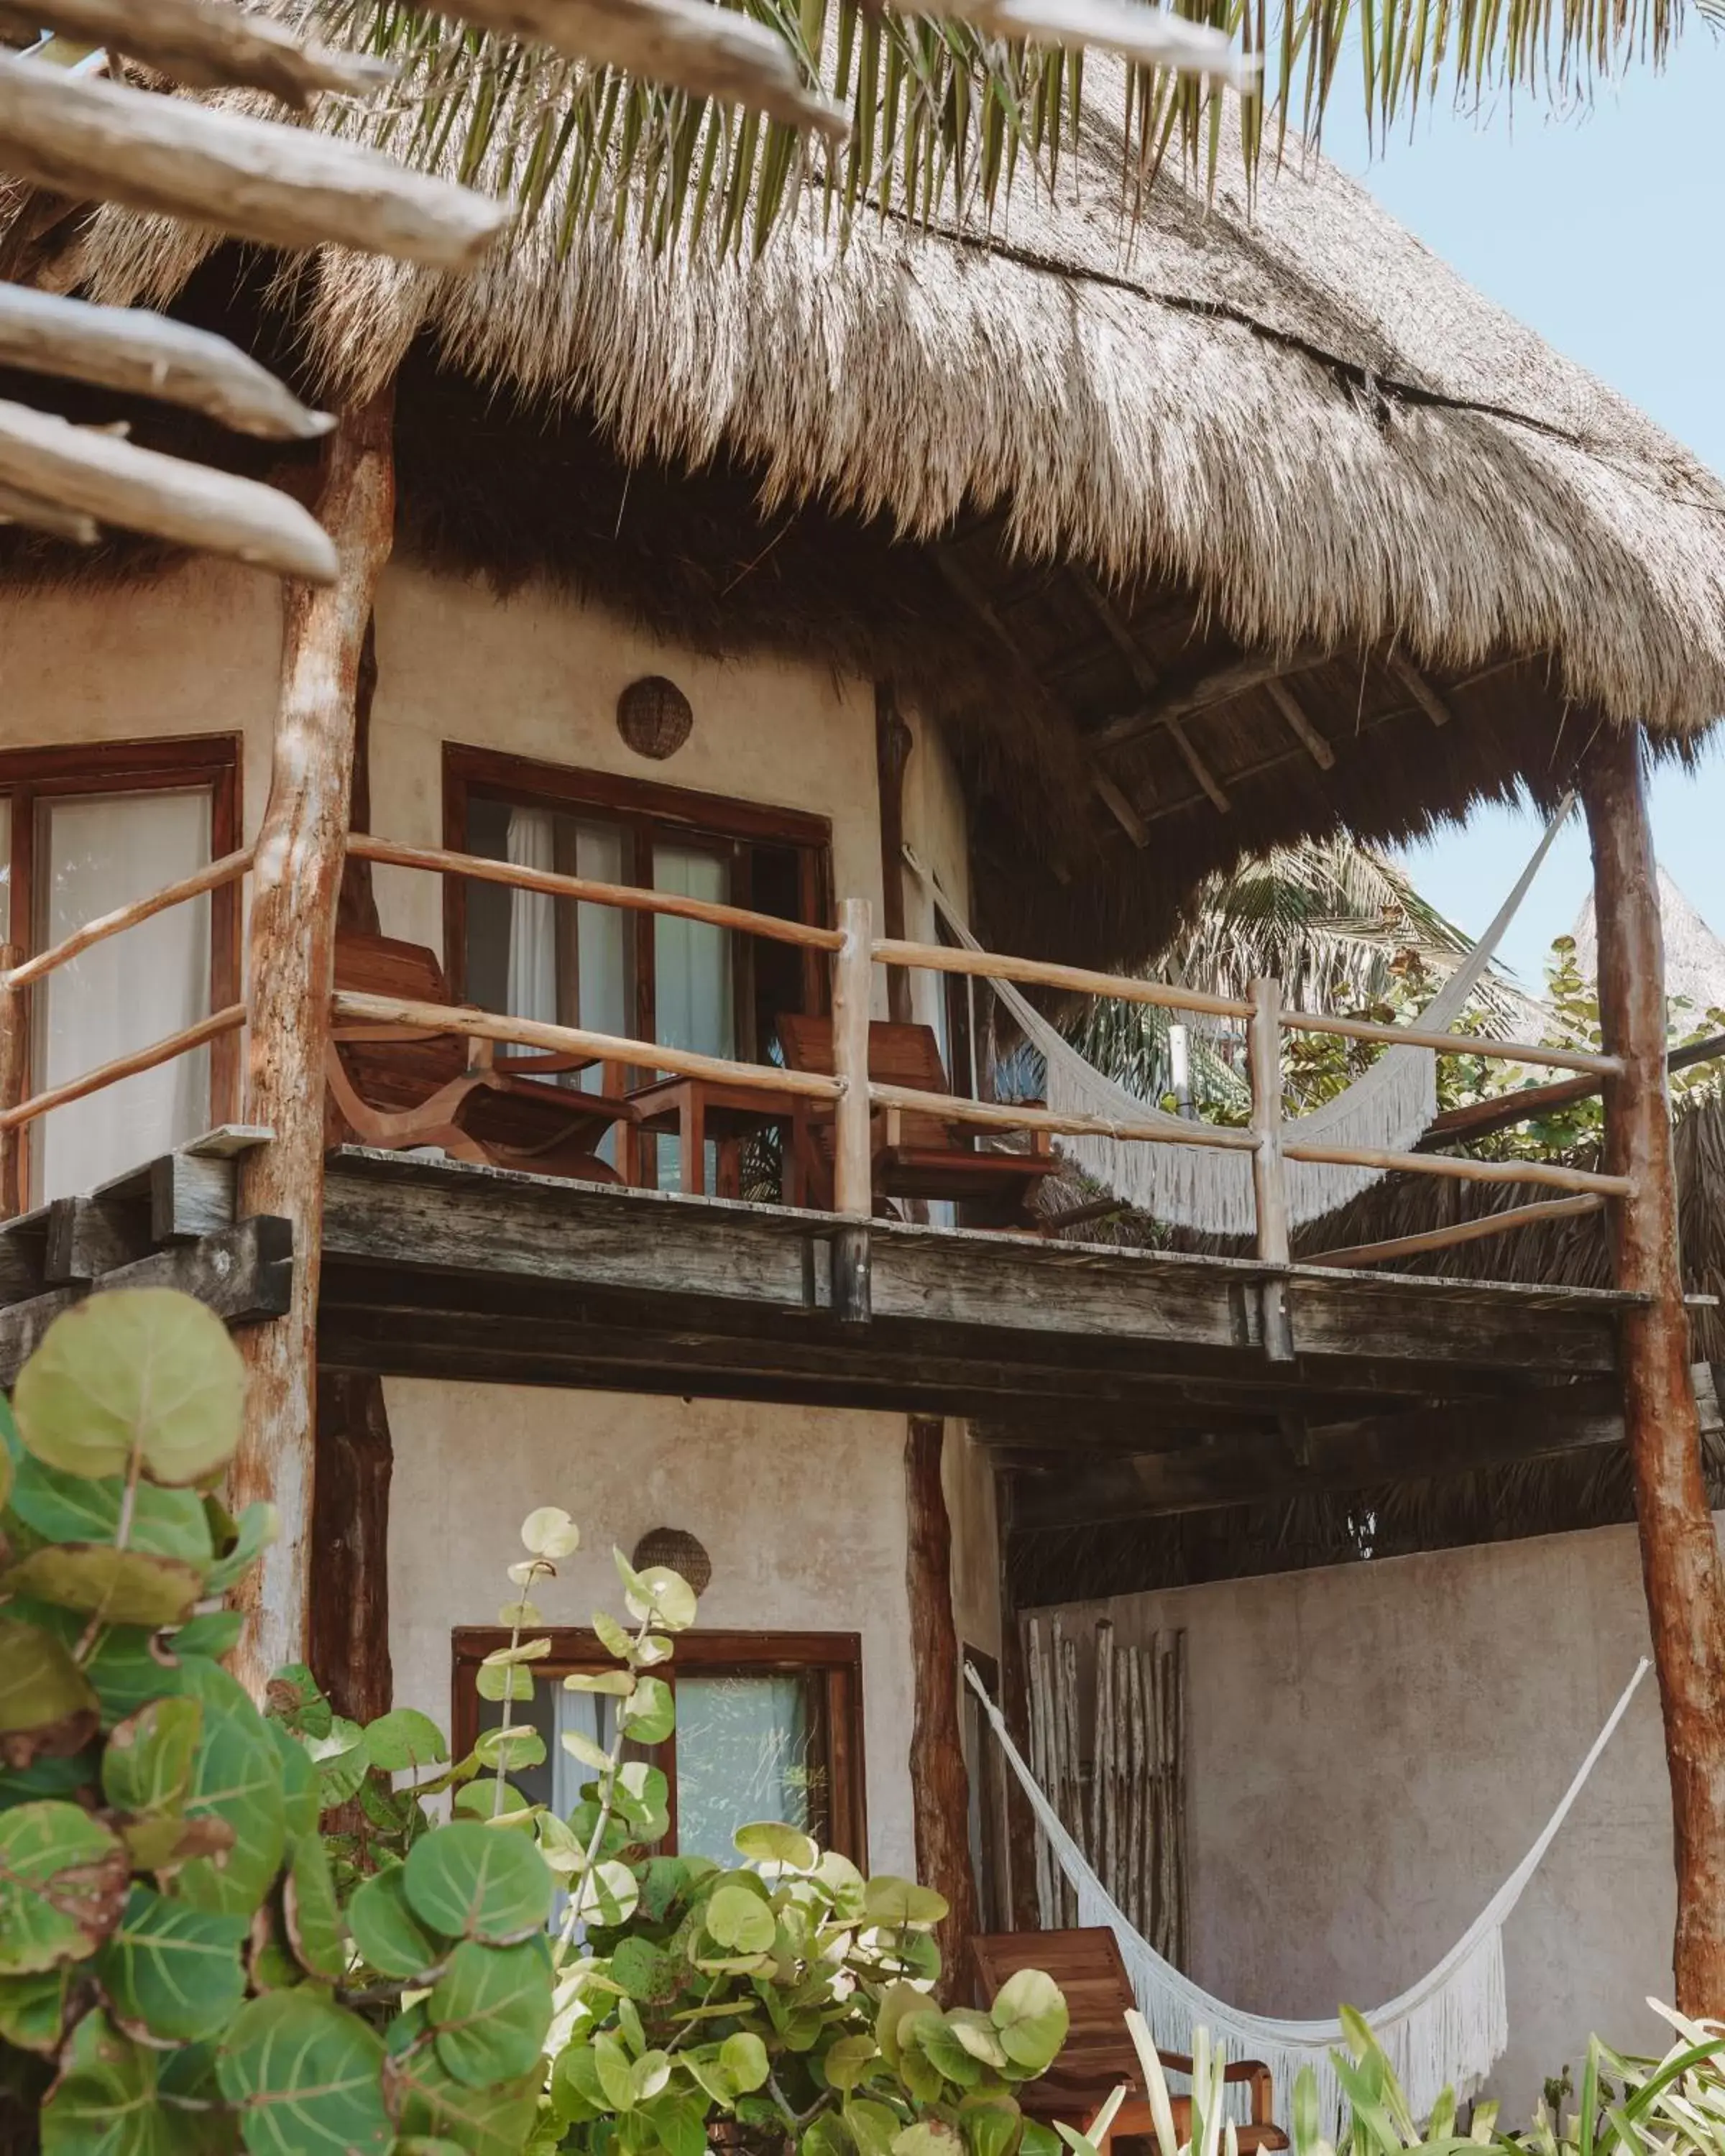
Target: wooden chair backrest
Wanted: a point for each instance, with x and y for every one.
(899, 1054)
(1086, 1965)
(385, 965)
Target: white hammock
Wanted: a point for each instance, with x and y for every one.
(1445, 2031)
(1384, 1110)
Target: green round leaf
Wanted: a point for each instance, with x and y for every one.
(341, 1760)
(770, 1842)
(142, 1369)
(1030, 2014)
(104, 2102)
(846, 2061)
(927, 2137)
(386, 1932)
(940, 2045)
(213, 1634)
(299, 1798)
(236, 1782)
(606, 1896)
(474, 1882)
(313, 1920)
(872, 2125)
(146, 1764)
(254, 1531)
(979, 2036)
(33, 2010)
(47, 1704)
(550, 1532)
(828, 2136)
(171, 1971)
(496, 1680)
(490, 2008)
(649, 1713)
(662, 1594)
(426, 2099)
(122, 1587)
(737, 1919)
(74, 1508)
(901, 2004)
(743, 2057)
(404, 1739)
(306, 2076)
(64, 1878)
(902, 1905)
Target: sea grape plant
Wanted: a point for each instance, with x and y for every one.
(225, 1927)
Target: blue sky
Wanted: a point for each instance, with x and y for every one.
(1600, 229)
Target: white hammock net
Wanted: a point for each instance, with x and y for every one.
(1384, 1110)
(1445, 2031)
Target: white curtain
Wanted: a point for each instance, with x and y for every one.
(532, 920)
(96, 855)
(692, 989)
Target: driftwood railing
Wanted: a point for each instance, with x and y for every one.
(854, 953)
(18, 975)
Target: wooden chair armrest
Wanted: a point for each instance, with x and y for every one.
(1262, 2083)
(527, 1067)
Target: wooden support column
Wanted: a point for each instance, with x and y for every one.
(893, 743)
(295, 886)
(349, 1546)
(939, 1787)
(357, 908)
(1681, 1568)
(1014, 1704)
(14, 1058)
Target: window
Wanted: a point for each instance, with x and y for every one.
(650, 976)
(769, 1726)
(85, 830)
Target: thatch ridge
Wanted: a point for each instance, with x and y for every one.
(1298, 414)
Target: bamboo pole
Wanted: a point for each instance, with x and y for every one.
(256, 179)
(1462, 1231)
(17, 506)
(110, 1072)
(1014, 1116)
(1264, 1061)
(211, 877)
(1042, 973)
(208, 44)
(98, 474)
(632, 898)
(14, 1049)
(1459, 1168)
(1680, 1567)
(1451, 1044)
(350, 1006)
(853, 981)
(147, 354)
(297, 876)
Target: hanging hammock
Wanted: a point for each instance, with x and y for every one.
(1384, 1110)
(1445, 2031)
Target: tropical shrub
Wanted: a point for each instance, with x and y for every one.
(223, 1927)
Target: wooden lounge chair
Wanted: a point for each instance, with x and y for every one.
(1098, 2055)
(397, 1086)
(916, 1156)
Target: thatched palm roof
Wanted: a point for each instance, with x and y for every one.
(1269, 431)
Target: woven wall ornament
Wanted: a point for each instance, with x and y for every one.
(678, 1548)
(654, 717)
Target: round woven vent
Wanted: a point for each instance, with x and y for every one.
(653, 716)
(678, 1549)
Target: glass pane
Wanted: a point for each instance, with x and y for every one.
(748, 1747)
(694, 989)
(95, 855)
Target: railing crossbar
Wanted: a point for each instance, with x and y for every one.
(126, 1066)
(211, 877)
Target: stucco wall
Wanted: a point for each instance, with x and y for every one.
(1373, 1748)
(802, 1512)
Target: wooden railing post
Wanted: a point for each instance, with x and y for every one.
(853, 1152)
(1269, 1194)
(13, 1020)
(1681, 1568)
(296, 883)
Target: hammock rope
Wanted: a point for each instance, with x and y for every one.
(1445, 2032)
(1384, 1110)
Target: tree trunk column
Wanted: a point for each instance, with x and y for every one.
(296, 880)
(1680, 1567)
(939, 1787)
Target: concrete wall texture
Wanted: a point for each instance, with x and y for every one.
(1374, 1747)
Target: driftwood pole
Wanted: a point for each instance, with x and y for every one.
(1681, 1568)
(350, 1575)
(296, 883)
(940, 1786)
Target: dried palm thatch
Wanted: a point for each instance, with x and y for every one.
(1496, 1504)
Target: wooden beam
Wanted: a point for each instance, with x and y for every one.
(1481, 1119)
(1475, 1230)
(1681, 1565)
(256, 179)
(356, 907)
(1298, 724)
(36, 514)
(349, 1546)
(1203, 691)
(145, 354)
(893, 744)
(207, 44)
(96, 475)
(1421, 689)
(939, 1787)
(295, 884)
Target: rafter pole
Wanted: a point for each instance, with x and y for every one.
(1680, 1566)
(297, 881)
(1421, 689)
(1149, 681)
(1202, 692)
(1299, 725)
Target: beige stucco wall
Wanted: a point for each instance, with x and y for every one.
(802, 1512)
(1374, 1748)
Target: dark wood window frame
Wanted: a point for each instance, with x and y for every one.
(170, 764)
(835, 1656)
(646, 808)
